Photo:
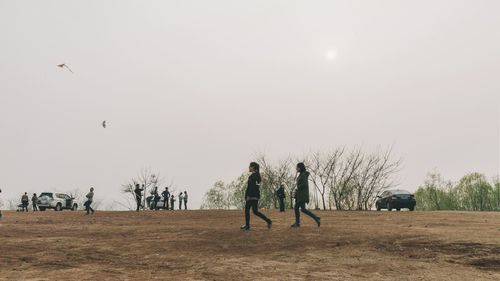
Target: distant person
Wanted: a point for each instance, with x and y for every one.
(180, 200)
(302, 196)
(166, 196)
(138, 196)
(172, 201)
(25, 201)
(34, 202)
(156, 197)
(185, 200)
(252, 196)
(88, 203)
(281, 197)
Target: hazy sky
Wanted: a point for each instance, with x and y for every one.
(196, 89)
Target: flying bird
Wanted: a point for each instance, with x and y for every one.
(104, 124)
(63, 65)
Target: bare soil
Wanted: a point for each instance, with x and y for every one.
(208, 245)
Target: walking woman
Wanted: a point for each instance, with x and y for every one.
(302, 196)
(252, 196)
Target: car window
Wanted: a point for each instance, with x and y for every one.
(58, 195)
(48, 194)
(401, 192)
(66, 196)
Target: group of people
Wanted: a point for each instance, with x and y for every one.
(155, 200)
(252, 196)
(301, 195)
(24, 207)
(25, 202)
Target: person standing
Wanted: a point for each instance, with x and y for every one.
(88, 203)
(166, 196)
(34, 202)
(302, 196)
(185, 200)
(25, 201)
(156, 198)
(138, 196)
(180, 200)
(281, 197)
(252, 196)
(172, 201)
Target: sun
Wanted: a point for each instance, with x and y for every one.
(331, 55)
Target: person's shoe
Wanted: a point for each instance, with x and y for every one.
(295, 225)
(245, 227)
(318, 221)
(269, 224)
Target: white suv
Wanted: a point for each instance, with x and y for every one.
(56, 201)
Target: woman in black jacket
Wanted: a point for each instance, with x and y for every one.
(302, 196)
(252, 195)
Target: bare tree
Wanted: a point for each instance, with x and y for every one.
(345, 180)
(375, 175)
(146, 179)
(341, 185)
(322, 168)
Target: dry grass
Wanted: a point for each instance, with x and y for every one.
(208, 245)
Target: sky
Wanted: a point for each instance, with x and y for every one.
(197, 89)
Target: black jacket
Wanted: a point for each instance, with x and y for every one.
(138, 192)
(302, 195)
(281, 193)
(253, 188)
(165, 194)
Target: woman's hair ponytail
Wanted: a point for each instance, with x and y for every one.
(255, 166)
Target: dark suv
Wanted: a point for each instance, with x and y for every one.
(395, 199)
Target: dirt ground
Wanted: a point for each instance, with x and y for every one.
(208, 245)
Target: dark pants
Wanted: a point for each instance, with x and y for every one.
(156, 200)
(302, 207)
(35, 207)
(254, 205)
(172, 205)
(282, 204)
(138, 200)
(25, 206)
(185, 204)
(88, 208)
(165, 203)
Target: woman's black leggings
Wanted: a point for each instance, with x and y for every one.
(254, 205)
(302, 207)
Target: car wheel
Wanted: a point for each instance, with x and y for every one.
(75, 207)
(378, 206)
(398, 209)
(41, 209)
(58, 207)
(389, 208)
(412, 208)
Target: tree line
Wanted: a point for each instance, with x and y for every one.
(341, 179)
(473, 192)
